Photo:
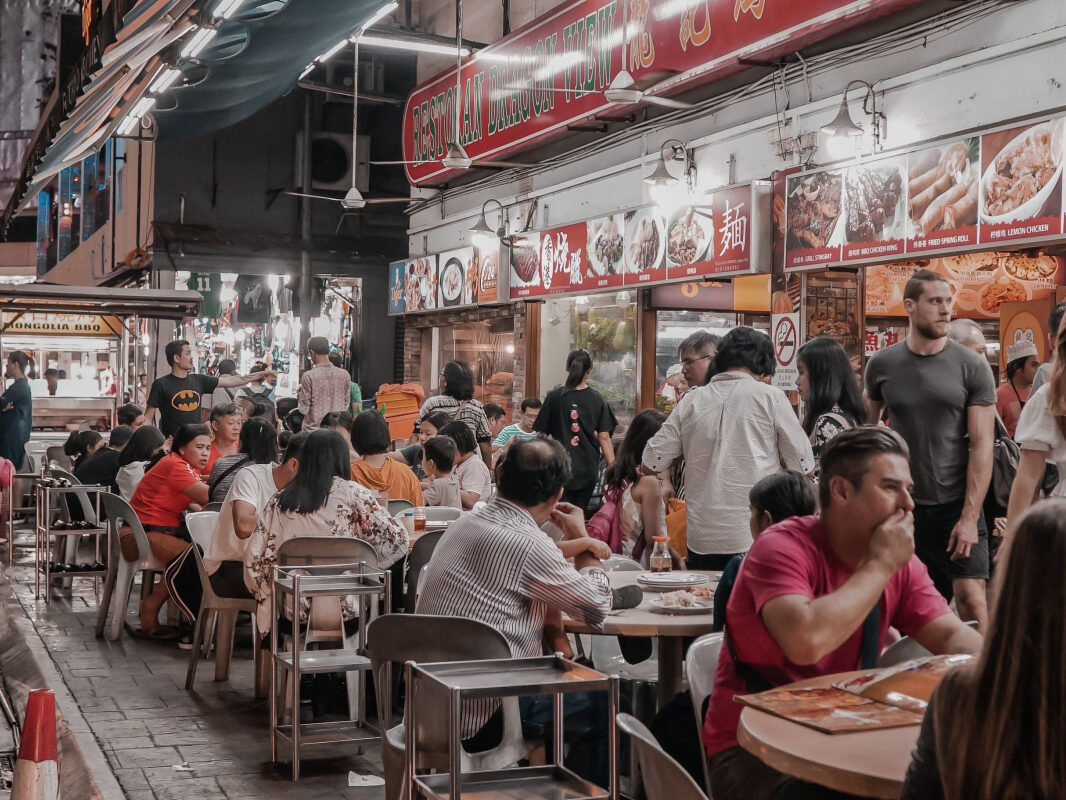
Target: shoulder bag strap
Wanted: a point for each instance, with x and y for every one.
(229, 470)
(870, 649)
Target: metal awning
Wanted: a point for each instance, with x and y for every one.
(50, 298)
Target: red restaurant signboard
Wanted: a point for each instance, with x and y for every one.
(550, 74)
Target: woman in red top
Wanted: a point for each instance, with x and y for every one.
(169, 488)
(1012, 396)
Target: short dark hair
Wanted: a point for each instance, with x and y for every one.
(438, 419)
(1054, 319)
(173, 349)
(127, 414)
(783, 494)
(493, 410)
(460, 434)
(748, 348)
(370, 434)
(144, 444)
(259, 441)
(185, 434)
(319, 345)
(915, 287)
(848, 455)
(700, 340)
(20, 358)
(441, 451)
(224, 410)
(531, 402)
(51, 373)
(337, 419)
(294, 446)
(120, 435)
(227, 366)
(533, 470)
(458, 381)
(335, 360)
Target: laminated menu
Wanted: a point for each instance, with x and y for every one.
(893, 697)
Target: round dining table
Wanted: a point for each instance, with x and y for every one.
(670, 630)
(868, 763)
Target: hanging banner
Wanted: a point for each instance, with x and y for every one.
(51, 324)
(532, 84)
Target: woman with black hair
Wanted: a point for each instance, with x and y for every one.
(81, 444)
(457, 398)
(256, 444)
(146, 442)
(373, 468)
(829, 390)
(579, 418)
(320, 501)
(733, 432)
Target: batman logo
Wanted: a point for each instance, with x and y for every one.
(186, 400)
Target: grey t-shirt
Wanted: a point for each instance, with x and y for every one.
(927, 398)
(1043, 372)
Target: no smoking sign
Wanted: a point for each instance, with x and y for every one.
(785, 340)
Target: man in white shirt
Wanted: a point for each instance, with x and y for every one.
(248, 495)
(733, 432)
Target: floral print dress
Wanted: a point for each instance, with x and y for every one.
(826, 427)
(350, 510)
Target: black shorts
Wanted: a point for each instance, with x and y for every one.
(932, 532)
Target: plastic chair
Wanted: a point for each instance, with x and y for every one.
(57, 456)
(618, 563)
(201, 525)
(701, 664)
(88, 513)
(398, 505)
(398, 638)
(664, 778)
(906, 649)
(442, 514)
(419, 558)
(120, 572)
(213, 507)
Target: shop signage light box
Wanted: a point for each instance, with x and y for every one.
(462, 278)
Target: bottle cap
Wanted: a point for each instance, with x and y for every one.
(658, 538)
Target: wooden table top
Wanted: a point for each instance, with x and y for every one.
(868, 763)
(643, 620)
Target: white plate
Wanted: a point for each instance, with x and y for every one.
(658, 607)
(1031, 207)
(645, 217)
(670, 581)
(706, 229)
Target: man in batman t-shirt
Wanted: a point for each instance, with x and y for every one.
(177, 396)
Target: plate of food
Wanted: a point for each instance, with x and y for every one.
(1031, 268)
(645, 241)
(451, 282)
(699, 600)
(814, 205)
(1023, 174)
(1004, 289)
(668, 581)
(604, 246)
(525, 260)
(688, 234)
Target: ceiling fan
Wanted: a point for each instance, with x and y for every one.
(625, 90)
(353, 199)
(455, 156)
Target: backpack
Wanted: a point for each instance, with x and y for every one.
(606, 524)
(1005, 457)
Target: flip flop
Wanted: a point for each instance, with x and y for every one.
(161, 633)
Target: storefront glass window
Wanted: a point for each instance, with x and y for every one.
(606, 326)
(488, 348)
(96, 192)
(672, 328)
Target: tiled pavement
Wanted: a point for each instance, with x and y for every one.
(132, 696)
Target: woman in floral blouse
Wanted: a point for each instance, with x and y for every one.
(829, 390)
(320, 501)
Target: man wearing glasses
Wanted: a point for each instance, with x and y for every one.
(696, 353)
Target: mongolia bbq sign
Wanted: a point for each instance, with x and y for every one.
(552, 73)
(966, 193)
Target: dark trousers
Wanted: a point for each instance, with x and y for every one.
(737, 773)
(580, 495)
(708, 561)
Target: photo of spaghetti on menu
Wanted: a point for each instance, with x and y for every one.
(1021, 182)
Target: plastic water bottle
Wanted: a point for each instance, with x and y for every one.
(660, 556)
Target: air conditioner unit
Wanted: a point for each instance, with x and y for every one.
(331, 162)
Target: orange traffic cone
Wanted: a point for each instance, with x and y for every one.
(37, 768)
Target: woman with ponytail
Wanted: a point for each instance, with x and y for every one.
(578, 417)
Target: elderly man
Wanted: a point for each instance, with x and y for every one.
(696, 353)
(969, 334)
(497, 566)
(817, 595)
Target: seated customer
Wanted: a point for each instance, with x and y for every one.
(167, 490)
(249, 492)
(374, 469)
(142, 447)
(101, 468)
(130, 415)
(320, 501)
(997, 728)
(412, 454)
(475, 482)
(225, 422)
(80, 445)
(809, 591)
(438, 456)
(523, 429)
(497, 566)
(257, 444)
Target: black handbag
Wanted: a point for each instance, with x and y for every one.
(1005, 457)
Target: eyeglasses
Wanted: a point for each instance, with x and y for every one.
(688, 362)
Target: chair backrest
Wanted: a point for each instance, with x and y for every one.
(120, 513)
(903, 650)
(664, 778)
(442, 513)
(398, 638)
(701, 664)
(88, 512)
(398, 505)
(56, 455)
(553, 532)
(420, 555)
(310, 551)
(213, 507)
(622, 564)
(201, 525)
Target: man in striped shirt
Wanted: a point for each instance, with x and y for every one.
(496, 565)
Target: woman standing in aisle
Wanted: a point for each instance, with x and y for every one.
(578, 417)
(829, 390)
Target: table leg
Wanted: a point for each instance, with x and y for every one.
(669, 668)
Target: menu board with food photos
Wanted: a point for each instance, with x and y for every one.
(980, 282)
(457, 280)
(963, 193)
(413, 285)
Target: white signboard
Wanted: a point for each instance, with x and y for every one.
(784, 331)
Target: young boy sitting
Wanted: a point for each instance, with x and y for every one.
(438, 458)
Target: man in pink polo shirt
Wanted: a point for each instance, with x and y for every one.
(816, 596)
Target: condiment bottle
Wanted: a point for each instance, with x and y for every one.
(660, 556)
